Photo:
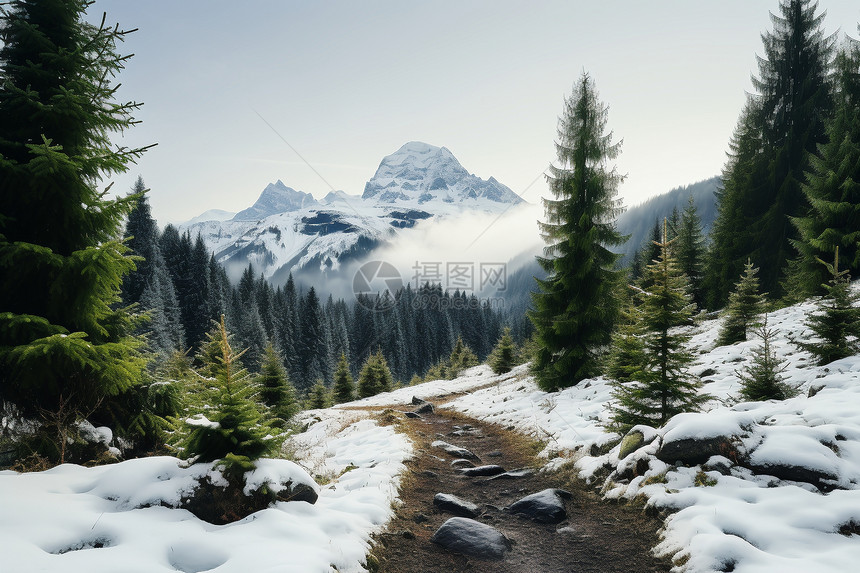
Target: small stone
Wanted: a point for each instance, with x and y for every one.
(544, 506)
(298, 492)
(411, 415)
(453, 504)
(471, 538)
(490, 470)
(416, 401)
(496, 454)
(455, 450)
(430, 474)
(420, 518)
(425, 408)
(462, 463)
(513, 474)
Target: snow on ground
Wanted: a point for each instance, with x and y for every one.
(725, 516)
(113, 518)
(468, 381)
(741, 521)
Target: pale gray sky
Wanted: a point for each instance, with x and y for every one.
(346, 83)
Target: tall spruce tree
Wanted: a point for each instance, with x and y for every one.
(664, 388)
(62, 339)
(691, 250)
(742, 177)
(833, 186)
(150, 285)
(574, 310)
(787, 122)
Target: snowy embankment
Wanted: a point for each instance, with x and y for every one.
(121, 517)
(757, 512)
(779, 489)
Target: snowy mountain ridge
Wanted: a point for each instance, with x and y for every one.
(288, 231)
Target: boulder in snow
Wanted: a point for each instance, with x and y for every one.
(690, 451)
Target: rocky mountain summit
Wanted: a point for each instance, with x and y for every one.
(289, 231)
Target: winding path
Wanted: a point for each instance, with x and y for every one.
(597, 536)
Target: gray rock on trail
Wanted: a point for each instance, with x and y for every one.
(513, 474)
(482, 471)
(455, 450)
(471, 538)
(411, 414)
(467, 430)
(462, 463)
(544, 506)
(424, 407)
(453, 504)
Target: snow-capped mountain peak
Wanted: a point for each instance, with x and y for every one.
(276, 198)
(420, 173)
(288, 231)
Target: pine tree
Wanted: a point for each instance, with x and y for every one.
(762, 379)
(276, 390)
(150, 285)
(574, 311)
(626, 359)
(836, 321)
(141, 236)
(311, 348)
(62, 338)
(375, 376)
(787, 123)
(665, 387)
(318, 396)
(647, 253)
(691, 250)
(504, 355)
(731, 236)
(461, 358)
(232, 430)
(745, 304)
(833, 186)
(344, 388)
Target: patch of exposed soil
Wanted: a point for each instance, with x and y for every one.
(596, 537)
